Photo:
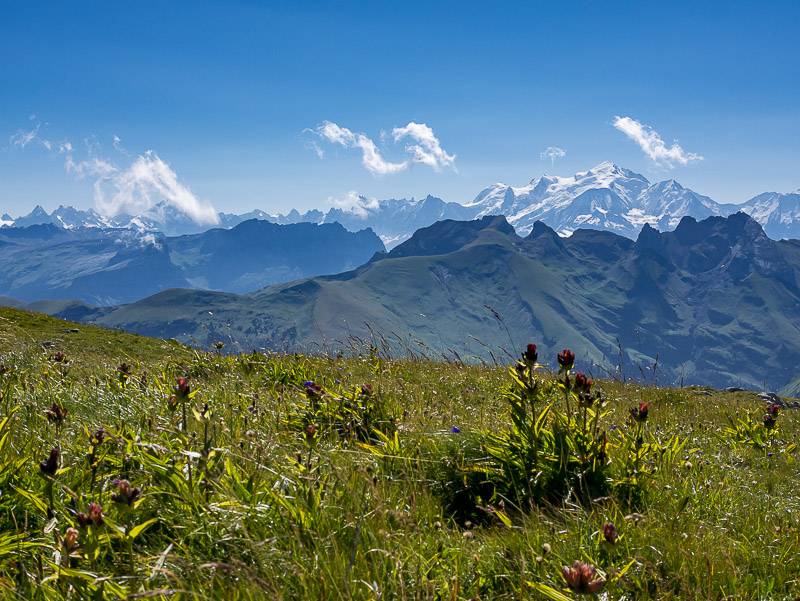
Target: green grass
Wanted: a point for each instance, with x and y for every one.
(243, 505)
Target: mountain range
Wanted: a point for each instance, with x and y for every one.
(606, 197)
(106, 266)
(712, 302)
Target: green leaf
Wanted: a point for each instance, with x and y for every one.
(32, 498)
(137, 530)
(548, 592)
(503, 518)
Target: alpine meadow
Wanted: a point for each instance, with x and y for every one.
(445, 301)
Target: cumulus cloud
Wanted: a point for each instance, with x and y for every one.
(371, 157)
(354, 203)
(133, 189)
(553, 153)
(142, 185)
(426, 149)
(653, 145)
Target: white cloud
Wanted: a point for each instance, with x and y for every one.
(371, 157)
(553, 153)
(116, 142)
(142, 185)
(652, 145)
(317, 149)
(23, 138)
(135, 189)
(354, 203)
(427, 150)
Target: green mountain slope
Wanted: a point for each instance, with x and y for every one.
(714, 302)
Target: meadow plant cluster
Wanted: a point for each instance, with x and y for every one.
(133, 468)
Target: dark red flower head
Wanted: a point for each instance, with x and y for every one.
(610, 532)
(313, 390)
(770, 420)
(182, 388)
(98, 436)
(566, 359)
(773, 409)
(366, 389)
(582, 578)
(583, 384)
(71, 539)
(530, 356)
(127, 494)
(311, 431)
(56, 414)
(640, 413)
(92, 517)
(49, 466)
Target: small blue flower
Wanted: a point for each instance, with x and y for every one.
(455, 429)
(308, 383)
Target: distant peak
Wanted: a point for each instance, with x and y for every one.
(669, 184)
(540, 228)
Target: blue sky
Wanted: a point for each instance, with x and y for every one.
(228, 95)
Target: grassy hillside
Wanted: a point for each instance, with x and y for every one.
(708, 303)
(285, 477)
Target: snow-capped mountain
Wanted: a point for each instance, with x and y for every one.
(778, 214)
(606, 197)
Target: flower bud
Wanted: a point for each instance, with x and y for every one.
(610, 532)
(566, 359)
(530, 355)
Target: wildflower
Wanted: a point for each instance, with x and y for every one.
(566, 359)
(583, 384)
(92, 517)
(124, 372)
(56, 414)
(98, 437)
(219, 345)
(71, 539)
(769, 421)
(610, 532)
(530, 355)
(49, 466)
(773, 409)
(639, 413)
(455, 429)
(311, 432)
(313, 390)
(582, 578)
(59, 357)
(127, 494)
(366, 389)
(182, 388)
